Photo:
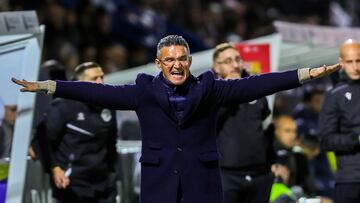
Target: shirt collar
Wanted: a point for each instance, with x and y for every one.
(177, 88)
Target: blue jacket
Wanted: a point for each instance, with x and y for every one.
(180, 152)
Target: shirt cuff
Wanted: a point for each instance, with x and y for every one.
(48, 86)
(304, 75)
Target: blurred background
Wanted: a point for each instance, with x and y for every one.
(120, 34)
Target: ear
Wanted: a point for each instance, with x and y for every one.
(341, 61)
(190, 60)
(158, 63)
(216, 68)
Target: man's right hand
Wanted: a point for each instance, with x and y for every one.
(61, 181)
(27, 86)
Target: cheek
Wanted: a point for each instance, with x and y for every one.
(165, 70)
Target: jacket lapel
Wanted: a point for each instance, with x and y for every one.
(193, 99)
(163, 98)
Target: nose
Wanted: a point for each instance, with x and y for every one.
(99, 80)
(237, 63)
(177, 63)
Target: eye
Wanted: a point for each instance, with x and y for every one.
(238, 59)
(228, 61)
(169, 60)
(183, 58)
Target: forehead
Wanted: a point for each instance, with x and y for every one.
(229, 53)
(286, 122)
(173, 51)
(96, 71)
(350, 51)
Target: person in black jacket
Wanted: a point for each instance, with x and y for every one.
(80, 146)
(242, 143)
(340, 124)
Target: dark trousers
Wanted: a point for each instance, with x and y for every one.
(347, 193)
(70, 196)
(240, 187)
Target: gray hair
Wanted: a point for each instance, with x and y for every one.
(171, 40)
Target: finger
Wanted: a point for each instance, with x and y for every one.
(16, 81)
(57, 183)
(63, 184)
(335, 66)
(66, 182)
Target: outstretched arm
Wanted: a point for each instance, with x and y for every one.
(253, 87)
(121, 97)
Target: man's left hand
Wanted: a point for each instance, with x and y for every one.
(324, 70)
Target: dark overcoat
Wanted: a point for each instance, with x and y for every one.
(179, 152)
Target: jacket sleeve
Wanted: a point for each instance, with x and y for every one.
(330, 136)
(254, 87)
(120, 97)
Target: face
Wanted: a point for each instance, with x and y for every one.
(229, 65)
(350, 60)
(10, 114)
(95, 75)
(286, 132)
(174, 62)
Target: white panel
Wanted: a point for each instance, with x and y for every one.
(28, 63)
(10, 66)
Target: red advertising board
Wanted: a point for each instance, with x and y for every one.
(256, 57)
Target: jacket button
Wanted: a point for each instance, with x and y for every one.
(179, 149)
(175, 171)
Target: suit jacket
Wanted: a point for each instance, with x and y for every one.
(179, 152)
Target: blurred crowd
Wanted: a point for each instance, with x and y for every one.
(120, 34)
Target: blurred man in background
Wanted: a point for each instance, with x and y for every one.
(7, 130)
(340, 124)
(299, 152)
(243, 146)
(80, 146)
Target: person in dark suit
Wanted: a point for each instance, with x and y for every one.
(243, 145)
(178, 113)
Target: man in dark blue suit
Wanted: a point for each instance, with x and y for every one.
(177, 113)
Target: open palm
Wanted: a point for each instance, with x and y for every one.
(324, 70)
(27, 86)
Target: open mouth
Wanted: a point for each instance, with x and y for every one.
(177, 73)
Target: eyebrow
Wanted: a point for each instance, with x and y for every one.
(169, 57)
